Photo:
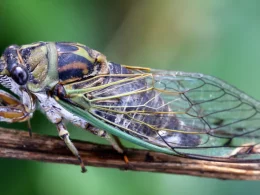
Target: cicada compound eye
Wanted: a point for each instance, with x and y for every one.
(19, 74)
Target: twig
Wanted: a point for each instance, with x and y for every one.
(18, 145)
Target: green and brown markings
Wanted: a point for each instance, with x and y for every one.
(189, 114)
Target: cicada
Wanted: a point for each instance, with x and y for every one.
(177, 113)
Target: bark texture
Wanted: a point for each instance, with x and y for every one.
(18, 145)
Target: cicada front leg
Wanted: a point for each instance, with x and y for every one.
(11, 109)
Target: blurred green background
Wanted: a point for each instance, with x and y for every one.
(216, 37)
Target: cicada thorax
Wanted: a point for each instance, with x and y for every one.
(76, 62)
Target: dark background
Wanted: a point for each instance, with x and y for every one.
(216, 37)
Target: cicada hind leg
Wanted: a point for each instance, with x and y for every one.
(113, 140)
(12, 110)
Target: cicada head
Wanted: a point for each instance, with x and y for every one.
(27, 66)
(12, 65)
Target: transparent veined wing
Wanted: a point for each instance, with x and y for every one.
(193, 114)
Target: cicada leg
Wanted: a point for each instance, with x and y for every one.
(64, 135)
(108, 137)
(113, 140)
(11, 109)
(56, 114)
(118, 144)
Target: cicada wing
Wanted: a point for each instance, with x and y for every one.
(193, 114)
(229, 117)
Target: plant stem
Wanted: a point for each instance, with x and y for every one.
(18, 145)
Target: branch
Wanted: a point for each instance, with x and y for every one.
(18, 145)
